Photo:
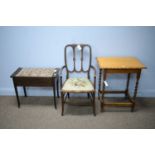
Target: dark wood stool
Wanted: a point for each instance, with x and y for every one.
(36, 77)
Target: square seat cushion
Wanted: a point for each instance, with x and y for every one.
(78, 85)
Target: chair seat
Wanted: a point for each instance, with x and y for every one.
(78, 85)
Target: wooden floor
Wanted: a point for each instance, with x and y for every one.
(39, 113)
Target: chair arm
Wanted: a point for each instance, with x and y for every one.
(61, 70)
(94, 69)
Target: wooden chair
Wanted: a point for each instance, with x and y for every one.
(78, 85)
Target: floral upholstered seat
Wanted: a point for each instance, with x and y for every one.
(81, 85)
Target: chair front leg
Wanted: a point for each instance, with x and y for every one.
(63, 102)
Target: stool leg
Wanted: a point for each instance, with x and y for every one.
(55, 104)
(17, 96)
(25, 93)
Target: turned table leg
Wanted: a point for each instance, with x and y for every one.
(99, 84)
(93, 102)
(103, 89)
(136, 89)
(127, 85)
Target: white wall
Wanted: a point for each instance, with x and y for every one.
(44, 47)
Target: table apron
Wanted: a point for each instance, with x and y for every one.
(122, 71)
(36, 82)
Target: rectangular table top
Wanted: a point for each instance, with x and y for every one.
(119, 63)
(35, 72)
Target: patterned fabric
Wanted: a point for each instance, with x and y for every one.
(78, 85)
(36, 72)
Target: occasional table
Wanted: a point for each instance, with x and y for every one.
(36, 77)
(118, 65)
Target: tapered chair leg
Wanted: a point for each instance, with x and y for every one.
(62, 100)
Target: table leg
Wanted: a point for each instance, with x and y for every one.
(127, 85)
(17, 96)
(55, 104)
(103, 89)
(136, 90)
(94, 107)
(99, 86)
(25, 93)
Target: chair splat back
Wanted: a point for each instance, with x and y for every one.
(80, 50)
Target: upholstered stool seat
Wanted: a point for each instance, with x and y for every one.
(36, 72)
(78, 85)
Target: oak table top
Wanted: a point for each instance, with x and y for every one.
(119, 63)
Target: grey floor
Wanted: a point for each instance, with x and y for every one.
(39, 113)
